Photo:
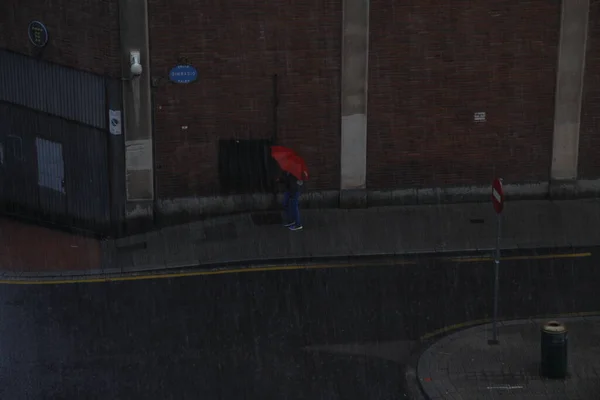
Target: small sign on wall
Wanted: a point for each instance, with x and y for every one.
(183, 74)
(38, 34)
(114, 119)
(479, 117)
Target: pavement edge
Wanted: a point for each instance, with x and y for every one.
(432, 339)
(274, 264)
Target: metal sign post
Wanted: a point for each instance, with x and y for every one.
(498, 202)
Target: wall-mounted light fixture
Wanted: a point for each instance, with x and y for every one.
(134, 63)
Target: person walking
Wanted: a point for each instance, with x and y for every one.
(291, 198)
(295, 174)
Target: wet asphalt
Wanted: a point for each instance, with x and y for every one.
(339, 333)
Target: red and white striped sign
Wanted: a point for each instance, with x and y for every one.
(497, 195)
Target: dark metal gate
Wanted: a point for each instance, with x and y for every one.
(53, 144)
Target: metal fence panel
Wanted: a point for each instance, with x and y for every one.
(51, 176)
(17, 179)
(87, 178)
(54, 169)
(74, 95)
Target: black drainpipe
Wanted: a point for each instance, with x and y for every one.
(275, 109)
(271, 164)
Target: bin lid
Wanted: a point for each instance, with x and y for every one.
(554, 327)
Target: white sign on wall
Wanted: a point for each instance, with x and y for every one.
(114, 120)
(479, 117)
(51, 167)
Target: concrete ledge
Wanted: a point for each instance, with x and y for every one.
(562, 189)
(139, 218)
(462, 194)
(357, 198)
(183, 210)
(571, 189)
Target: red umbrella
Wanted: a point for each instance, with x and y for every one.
(290, 162)
(281, 152)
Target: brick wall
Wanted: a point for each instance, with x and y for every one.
(82, 34)
(589, 140)
(237, 46)
(434, 64)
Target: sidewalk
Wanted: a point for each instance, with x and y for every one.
(374, 231)
(464, 366)
(260, 237)
(30, 249)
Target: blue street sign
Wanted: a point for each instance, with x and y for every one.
(38, 34)
(183, 74)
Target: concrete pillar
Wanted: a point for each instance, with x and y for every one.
(137, 116)
(355, 56)
(569, 89)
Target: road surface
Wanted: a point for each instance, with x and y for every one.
(322, 333)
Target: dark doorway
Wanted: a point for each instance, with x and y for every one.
(246, 166)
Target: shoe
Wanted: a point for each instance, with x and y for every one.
(295, 227)
(289, 224)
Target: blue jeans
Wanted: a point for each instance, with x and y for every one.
(290, 207)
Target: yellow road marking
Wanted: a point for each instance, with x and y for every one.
(166, 275)
(454, 327)
(541, 257)
(468, 324)
(196, 273)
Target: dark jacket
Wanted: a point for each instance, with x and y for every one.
(291, 184)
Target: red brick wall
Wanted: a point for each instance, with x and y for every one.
(237, 46)
(433, 64)
(82, 34)
(589, 140)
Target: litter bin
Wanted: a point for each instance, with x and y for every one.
(554, 350)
